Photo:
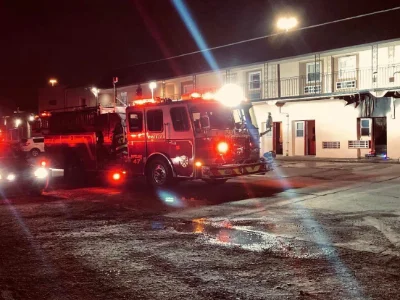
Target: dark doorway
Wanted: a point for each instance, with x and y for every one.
(277, 138)
(379, 136)
(310, 145)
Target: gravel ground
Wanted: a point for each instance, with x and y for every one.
(101, 243)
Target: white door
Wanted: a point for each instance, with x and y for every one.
(299, 144)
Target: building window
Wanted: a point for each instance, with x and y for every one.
(180, 119)
(365, 127)
(155, 121)
(53, 102)
(347, 66)
(254, 80)
(83, 101)
(136, 122)
(313, 72)
(187, 87)
(299, 129)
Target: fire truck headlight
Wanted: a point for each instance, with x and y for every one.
(230, 95)
(11, 177)
(223, 147)
(41, 173)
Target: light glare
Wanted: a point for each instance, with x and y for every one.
(41, 173)
(230, 95)
(10, 177)
(287, 23)
(152, 85)
(222, 147)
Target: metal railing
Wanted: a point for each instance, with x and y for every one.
(318, 84)
(326, 83)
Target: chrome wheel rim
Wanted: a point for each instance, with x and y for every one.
(159, 174)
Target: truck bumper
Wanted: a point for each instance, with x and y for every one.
(230, 171)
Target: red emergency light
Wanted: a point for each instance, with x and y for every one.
(116, 176)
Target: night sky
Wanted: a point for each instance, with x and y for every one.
(85, 42)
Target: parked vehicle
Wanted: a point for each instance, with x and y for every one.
(18, 175)
(35, 146)
(166, 141)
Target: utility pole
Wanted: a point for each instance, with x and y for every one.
(115, 80)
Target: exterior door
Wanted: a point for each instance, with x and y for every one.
(136, 136)
(277, 138)
(299, 140)
(179, 136)
(310, 144)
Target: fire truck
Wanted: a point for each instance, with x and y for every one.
(166, 141)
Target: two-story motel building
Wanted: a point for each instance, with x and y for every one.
(336, 104)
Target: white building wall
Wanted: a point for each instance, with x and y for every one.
(393, 128)
(333, 122)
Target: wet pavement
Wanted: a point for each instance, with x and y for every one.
(309, 230)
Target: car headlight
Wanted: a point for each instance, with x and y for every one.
(41, 173)
(11, 177)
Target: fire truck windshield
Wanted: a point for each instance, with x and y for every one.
(245, 115)
(212, 116)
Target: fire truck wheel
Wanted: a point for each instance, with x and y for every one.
(159, 173)
(215, 181)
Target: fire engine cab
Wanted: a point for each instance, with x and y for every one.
(166, 141)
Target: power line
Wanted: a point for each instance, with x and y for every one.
(263, 37)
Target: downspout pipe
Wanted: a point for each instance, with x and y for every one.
(287, 129)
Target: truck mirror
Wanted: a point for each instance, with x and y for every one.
(205, 122)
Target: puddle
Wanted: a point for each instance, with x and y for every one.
(241, 234)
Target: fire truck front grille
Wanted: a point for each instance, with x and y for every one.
(239, 150)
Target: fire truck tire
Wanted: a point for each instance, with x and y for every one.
(159, 173)
(215, 181)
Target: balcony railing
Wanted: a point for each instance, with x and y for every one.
(329, 83)
(384, 77)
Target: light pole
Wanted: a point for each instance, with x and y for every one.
(287, 23)
(152, 86)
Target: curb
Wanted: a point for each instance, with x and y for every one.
(362, 161)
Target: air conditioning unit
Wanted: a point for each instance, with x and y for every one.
(312, 89)
(350, 84)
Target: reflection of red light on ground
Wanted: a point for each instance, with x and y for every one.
(223, 236)
(116, 176)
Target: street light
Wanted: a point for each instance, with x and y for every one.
(53, 81)
(287, 23)
(95, 92)
(31, 118)
(17, 122)
(152, 86)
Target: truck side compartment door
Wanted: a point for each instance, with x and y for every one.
(180, 140)
(136, 136)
